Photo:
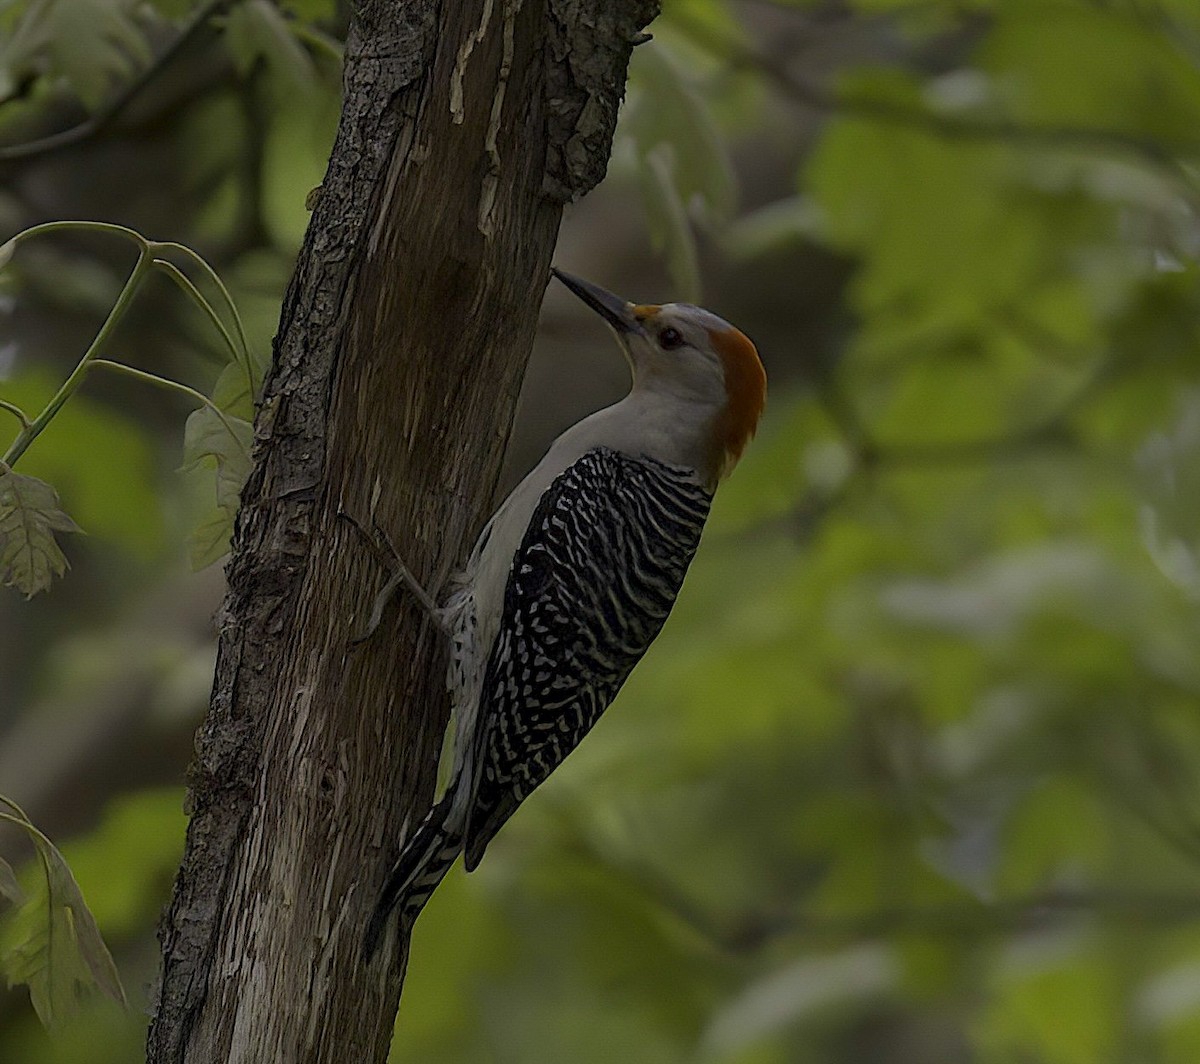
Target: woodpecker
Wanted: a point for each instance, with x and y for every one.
(573, 577)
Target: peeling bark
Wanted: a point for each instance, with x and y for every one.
(403, 338)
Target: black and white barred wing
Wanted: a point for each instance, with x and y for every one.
(590, 587)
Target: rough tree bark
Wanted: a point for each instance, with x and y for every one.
(402, 342)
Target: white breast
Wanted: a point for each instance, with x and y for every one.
(646, 422)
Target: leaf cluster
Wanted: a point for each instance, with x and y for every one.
(215, 435)
(50, 939)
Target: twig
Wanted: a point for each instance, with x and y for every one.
(174, 386)
(67, 389)
(193, 293)
(17, 412)
(398, 575)
(745, 932)
(200, 262)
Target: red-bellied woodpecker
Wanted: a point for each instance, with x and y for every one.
(574, 575)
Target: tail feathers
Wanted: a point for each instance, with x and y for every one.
(425, 859)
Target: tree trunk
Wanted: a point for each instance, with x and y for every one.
(403, 338)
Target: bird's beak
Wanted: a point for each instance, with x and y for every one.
(613, 309)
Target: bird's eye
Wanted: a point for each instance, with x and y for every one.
(669, 339)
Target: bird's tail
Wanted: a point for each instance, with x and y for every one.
(425, 859)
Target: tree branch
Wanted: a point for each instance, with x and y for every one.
(749, 931)
(17, 412)
(402, 340)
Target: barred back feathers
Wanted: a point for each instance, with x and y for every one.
(589, 588)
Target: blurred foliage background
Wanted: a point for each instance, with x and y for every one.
(913, 774)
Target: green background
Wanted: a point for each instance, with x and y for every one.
(913, 773)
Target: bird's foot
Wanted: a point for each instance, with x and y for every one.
(399, 574)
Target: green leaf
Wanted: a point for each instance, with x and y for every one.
(967, 246)
(1078, 64)
(100, 459)
(62, 956)
(257, 31)
(29, 516)
(1055, 994)
(128, 860)
(225, 444)
(209, 540)
(1060, 830)
(208, 442)
(93, 44)
(10, 889)
(232, 392)
(222, 441)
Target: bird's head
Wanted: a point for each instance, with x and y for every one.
(688, 351)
